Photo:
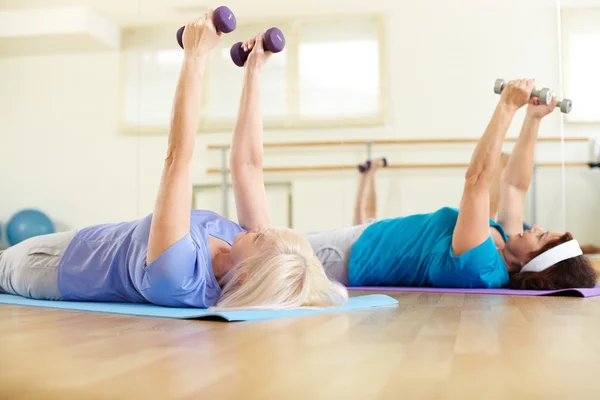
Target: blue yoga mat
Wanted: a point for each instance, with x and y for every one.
(150, 310)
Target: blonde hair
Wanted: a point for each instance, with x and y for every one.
(281, 273)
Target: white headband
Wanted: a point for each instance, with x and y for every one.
(555, 255)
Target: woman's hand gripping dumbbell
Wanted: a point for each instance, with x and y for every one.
(545, 96)
(273, 41)
(225, 22)
(223, 19)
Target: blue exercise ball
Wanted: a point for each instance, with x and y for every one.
(27, 224)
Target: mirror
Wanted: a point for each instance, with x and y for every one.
(87, 111)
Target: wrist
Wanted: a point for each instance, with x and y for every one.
(195, 59)
(507, 108)
(533, 118)
(253, 69)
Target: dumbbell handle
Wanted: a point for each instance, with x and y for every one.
(224, 21)
(544, 94)
(539, 93)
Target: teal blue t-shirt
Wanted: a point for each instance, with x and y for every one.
(417, 251)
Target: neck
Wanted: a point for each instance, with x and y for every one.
(512, 263)
(221, 264)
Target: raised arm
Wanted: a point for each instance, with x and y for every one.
(171, 218)
(246, 159)
(472, 227)
(517, 175)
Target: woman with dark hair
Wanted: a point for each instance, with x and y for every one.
(464, 247)
(569, 273)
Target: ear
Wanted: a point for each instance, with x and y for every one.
(239, 280)
(242, 278)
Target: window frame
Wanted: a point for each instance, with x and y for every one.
(292, 120)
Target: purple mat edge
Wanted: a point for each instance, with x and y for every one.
(581, 292)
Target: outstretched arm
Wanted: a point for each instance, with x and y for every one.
(472, 227)
(171, 218)
(495, 187)
(517, 175)
(246, 159)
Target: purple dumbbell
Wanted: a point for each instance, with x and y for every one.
(223, 19)
(274, 42)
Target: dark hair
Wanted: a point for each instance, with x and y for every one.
(576, 272)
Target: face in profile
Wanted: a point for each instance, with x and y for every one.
(530, 242)
(244, 245)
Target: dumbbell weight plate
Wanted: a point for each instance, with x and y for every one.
(499, 86)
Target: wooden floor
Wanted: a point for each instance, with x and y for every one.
(431, 346)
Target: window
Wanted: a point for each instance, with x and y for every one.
(581, 38)
(151, 85)
(328, 75)
(339, 74)
(224, 82)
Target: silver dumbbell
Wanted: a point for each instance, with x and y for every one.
(544, 94)
(565, 106)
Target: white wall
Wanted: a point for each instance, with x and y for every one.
(60, 147)
(61, 151)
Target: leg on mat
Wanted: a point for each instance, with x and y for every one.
(30, 268)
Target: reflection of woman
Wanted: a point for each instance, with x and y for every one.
(178, 256)
(365, 207)
(452, 248)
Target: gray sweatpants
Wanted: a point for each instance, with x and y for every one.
(30, 268)
(333, 247)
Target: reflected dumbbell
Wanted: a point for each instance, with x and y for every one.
(544, 94)
(223, 19)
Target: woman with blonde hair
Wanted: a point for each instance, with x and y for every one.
(177, 256)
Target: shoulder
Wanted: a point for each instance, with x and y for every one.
(481, 266)
(208, 223)
(498, 236)
(445, 214)
(481, 261)
(206, 217)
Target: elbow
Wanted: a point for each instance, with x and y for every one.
(477, 181)
(479, 174)
(246, 163)
(174, 158)
(518, 184)
(249, 156)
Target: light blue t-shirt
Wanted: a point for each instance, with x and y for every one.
(108, 263)
(417, 251)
